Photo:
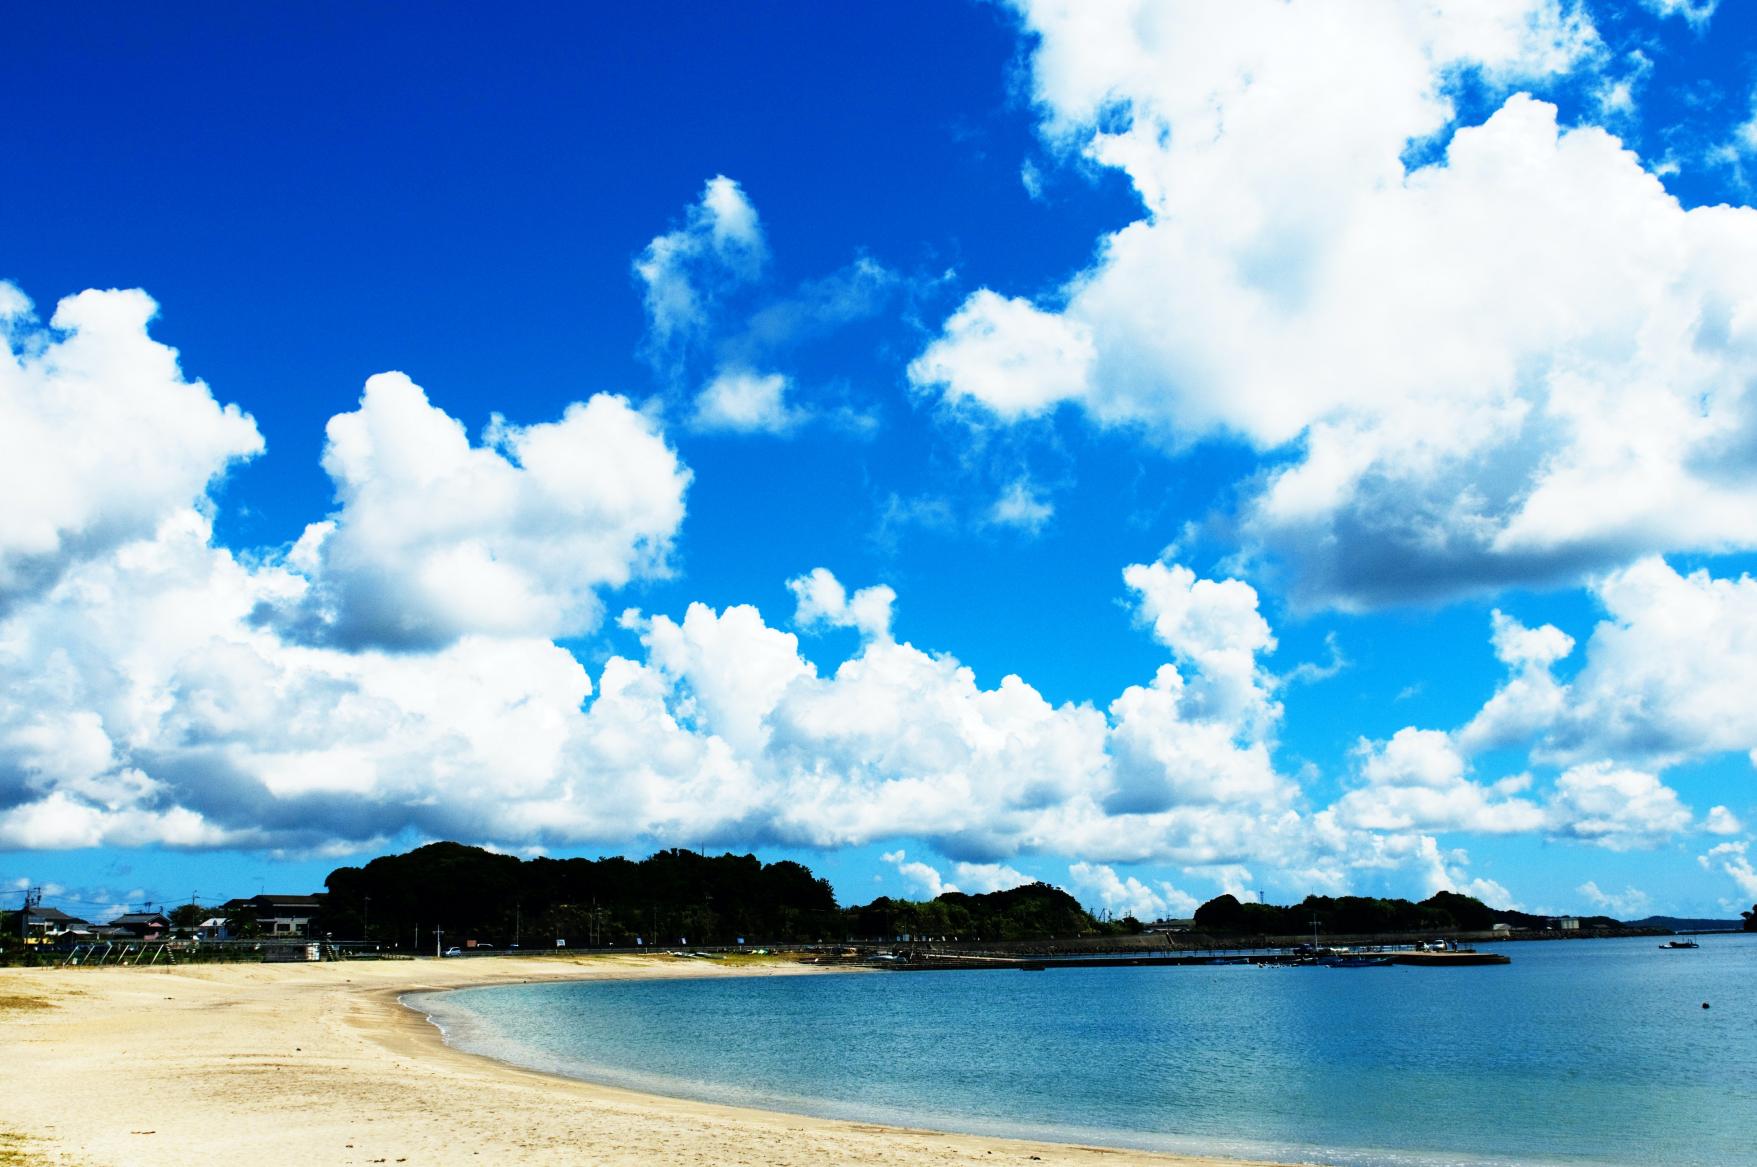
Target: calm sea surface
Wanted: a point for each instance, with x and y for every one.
(1577, 1052)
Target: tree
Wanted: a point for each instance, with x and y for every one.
(1223, 913)
(242, 923)
(1470, 914)
(185, 916)
(1750, 919)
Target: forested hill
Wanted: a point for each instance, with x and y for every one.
(1361, 915)
(1687, 924)
(671, 898)
(1032, 912)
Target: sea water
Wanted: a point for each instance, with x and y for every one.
(1592, 1051)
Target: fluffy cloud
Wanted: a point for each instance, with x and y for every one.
(1103, 891)
(1518, 361)
(397, 671)
(922, 879)
(1618, 809)
(1200, 735)
(1629, 904)
(823, 601)
(1721, 821)
(1343, 852)
(437, 538)
(1214, 627)
(1734, 862)
(979, 878)
(1008, 356)
(739, 401)
(198, 726)
(147, 700)
(683, 272)
(1666, 677)
(101, 437)
(1416, 781)
(1530, 699)
(1664, 682)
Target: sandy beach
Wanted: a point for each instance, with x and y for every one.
(320, 1064)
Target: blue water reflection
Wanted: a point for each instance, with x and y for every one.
(1577, 1052)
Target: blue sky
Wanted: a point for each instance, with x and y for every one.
(942, 443)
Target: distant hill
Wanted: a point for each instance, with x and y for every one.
(1680, 924)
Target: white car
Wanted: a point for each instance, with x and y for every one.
(454, 952)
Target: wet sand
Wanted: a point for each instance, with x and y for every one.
(320, 1064)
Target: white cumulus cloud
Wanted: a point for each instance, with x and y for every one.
(101, 435)
(1103, 891)
(922, 879)
(1666, 675)
(822, 600)
(1615, 808)
(437, 538)
(1481, 354)
(1416, 781)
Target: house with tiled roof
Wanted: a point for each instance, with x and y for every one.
(44, 925)
(143, 925)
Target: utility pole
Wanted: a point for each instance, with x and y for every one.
(366, 920)
(518, 919)
(438, 939)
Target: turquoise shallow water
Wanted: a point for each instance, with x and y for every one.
(1578, 1052)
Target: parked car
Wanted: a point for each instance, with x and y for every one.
(454, 952)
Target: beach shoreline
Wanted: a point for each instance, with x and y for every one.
(324, 1064)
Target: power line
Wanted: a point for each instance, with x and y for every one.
(200, 901)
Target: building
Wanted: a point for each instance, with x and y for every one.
(213, 928)
(143, 925)
(44, 925)
(275, 915)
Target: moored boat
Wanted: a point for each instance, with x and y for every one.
(1453, 958)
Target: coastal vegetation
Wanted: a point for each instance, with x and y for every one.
(672, 897)
(451, 895)
(1444, 911)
